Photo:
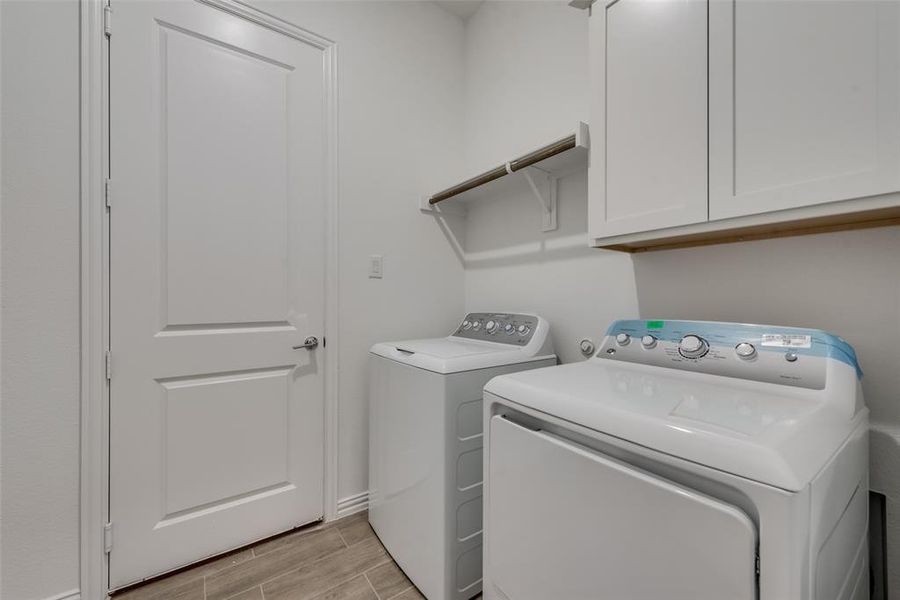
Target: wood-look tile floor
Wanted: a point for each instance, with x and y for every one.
(342, 560)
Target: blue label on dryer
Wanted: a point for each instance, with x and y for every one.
(810, 342)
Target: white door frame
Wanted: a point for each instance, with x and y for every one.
(94, 277)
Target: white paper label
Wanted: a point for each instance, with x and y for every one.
(787, 340)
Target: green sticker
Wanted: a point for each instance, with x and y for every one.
(655, 324)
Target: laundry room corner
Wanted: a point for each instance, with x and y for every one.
(526, 83)
(449, 300)
(808, 281)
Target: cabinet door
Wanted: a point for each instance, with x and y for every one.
(648, 115)
(804, 103)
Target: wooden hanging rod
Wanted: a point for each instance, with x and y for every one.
(512, 166)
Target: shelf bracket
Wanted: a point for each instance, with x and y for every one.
(544, 185)
(433, 209)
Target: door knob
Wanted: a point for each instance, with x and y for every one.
(309, 343)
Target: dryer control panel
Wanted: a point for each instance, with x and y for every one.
(783, 355)
(505, 328)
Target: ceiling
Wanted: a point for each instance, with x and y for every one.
(461, 8)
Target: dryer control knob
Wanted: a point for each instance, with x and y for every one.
(648, 342)
(693, 346)
(623, 339)
(492, 326)
(745, 350)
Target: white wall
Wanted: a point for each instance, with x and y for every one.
(400, 69)
(526, 85)
(400, 108)
(39, 299)
(526, 69)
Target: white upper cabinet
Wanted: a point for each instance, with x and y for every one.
(804, 104)
(648, 115)
(723, 120)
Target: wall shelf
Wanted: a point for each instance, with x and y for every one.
(540, 168)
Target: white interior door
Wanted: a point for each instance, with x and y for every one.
(585, 526)
(217, 254)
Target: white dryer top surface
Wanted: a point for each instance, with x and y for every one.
(774, 434)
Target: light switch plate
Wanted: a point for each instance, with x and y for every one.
(376, 266)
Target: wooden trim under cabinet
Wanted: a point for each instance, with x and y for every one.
(881, 217)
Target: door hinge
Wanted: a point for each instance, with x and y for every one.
(107, 193)
(107, 538)
(108, 365)
(107, 20)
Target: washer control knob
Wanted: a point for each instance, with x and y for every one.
(492, 326)
(467, 324)
(508, 329)
(745, 350)
(648, 342)
(791, 357)
(693, 346)
(523, 329)
(623, 339)
(476, 325)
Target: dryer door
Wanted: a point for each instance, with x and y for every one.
(567, 522)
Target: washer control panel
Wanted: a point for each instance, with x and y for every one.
(506, 328)
(783, 355)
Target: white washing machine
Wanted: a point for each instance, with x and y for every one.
(686, 460)
(425, 444)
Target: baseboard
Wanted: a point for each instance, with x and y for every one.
(70, 595)
(353, 504)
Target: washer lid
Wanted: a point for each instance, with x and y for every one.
(777, 435)
(453, 354)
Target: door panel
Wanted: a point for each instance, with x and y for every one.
(649, 109)
(209, 128)
(193, 463)
(217, 250)
(587, 526)
(804, 103)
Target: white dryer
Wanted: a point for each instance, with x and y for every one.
(425, 444)
(686, 460)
